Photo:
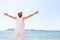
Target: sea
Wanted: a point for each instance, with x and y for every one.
(32, 35)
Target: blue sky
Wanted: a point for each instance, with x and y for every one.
(47, 19)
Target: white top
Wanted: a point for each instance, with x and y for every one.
(19, 25)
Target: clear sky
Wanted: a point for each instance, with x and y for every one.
(47, 19)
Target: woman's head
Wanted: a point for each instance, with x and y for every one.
(20, 14)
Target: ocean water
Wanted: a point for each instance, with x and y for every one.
(32, 35)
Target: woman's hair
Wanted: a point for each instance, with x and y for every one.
(20, 14)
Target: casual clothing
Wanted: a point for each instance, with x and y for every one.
(19, 30)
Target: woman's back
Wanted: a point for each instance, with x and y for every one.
(19, 30)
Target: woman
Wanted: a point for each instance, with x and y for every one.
(19, 30)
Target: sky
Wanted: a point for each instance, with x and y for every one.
(48, 17)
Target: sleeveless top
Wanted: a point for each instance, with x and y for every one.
(19, 25)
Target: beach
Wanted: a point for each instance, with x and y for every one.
(32, 35)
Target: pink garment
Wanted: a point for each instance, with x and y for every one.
(19, 30)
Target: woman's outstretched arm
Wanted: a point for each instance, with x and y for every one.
(30, 15)
(10, 16)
